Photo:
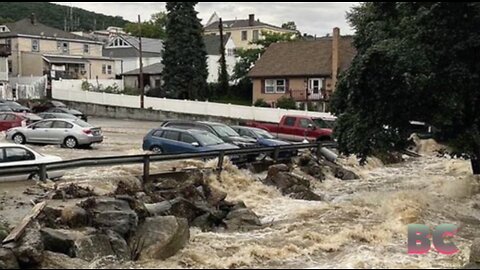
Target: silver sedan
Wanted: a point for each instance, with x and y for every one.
(67, 132)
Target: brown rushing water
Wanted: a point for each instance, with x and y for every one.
(361, 224)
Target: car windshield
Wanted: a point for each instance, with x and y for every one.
(319, 122)
(82, 123)
(263, 134)
(58, 104)
(207, 138)
(13, 103)
(225, 131)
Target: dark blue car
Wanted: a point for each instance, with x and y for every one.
(264, 138)
(172, 140)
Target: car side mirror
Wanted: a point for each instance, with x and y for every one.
(312, 127)
(196, 144)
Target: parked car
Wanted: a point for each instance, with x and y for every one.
(10, 120)
(5, 108)
(14, 106)
(69, 133)
(264, 138)
(13, 154)
(49, 115)
(298, 128)
(73, 112)
(173, 140)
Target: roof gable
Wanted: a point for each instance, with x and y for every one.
(212, 43)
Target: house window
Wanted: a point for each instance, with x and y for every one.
(315, 85)
(8, 42)
(109, 68)
(86, 48)
(255, 35)
(62, 46)
(228, 33)
(230, 52)
(157, 83)
(104, 69)
(275, 86)
(244, 35)
(35, 45)
(10, 70)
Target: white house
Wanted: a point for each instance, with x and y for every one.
(4, 53)
(212, 44)
(127, 50)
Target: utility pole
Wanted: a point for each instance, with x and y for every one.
(142, 89)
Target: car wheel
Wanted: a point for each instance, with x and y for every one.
(18, 138)
(70, 142)
(157, 149)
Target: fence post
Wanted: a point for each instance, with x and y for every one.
(220, 160)
(276, 152)
(146, 168)
(43, 172)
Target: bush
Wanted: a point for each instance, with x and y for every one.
(286, 103)
(261, 103)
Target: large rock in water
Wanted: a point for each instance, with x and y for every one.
(8, 259)
(112, 214)
(29, 250)
(74, 216)
(159, 238)
(52, 260)
(57, 241)
(242, 219)
(93, 246)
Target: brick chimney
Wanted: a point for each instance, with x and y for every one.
(251, 19)
(335, 56)
(32, 18)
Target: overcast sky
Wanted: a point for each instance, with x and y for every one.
(313, 18)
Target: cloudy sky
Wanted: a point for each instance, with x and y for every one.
(313, 18)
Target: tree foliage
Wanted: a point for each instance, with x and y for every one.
(415, 61)
(54, 15)
(184, 57)
(289, 25)
(286, 103)
(223, 78)
(153, 28)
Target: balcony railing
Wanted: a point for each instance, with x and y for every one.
(303, 95)
(5, 50)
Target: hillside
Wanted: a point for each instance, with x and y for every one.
(54, 15)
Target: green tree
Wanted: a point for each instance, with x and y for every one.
(289, 25)
(154, 28)
(184, 57)
(222, 71)
(286, 103)
(415, 61)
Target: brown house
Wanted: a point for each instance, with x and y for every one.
(304, 70)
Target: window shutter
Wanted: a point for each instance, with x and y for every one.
(262, 89)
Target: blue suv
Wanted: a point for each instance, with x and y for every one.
(172, 140)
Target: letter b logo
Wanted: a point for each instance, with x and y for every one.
(419, 239)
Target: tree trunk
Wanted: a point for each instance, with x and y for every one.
(475, 161)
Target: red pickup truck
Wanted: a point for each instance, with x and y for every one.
(298, 128)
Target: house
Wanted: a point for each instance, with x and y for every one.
(212, 46)
(243, 31)
(39, 50)
(126, 49)
(101, 35)
(152, 76)
(4, 53)
(307, 71)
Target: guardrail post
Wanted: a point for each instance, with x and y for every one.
(220, 160)
(43, 172)
(146, 168)
(319, 147)
(276, 152)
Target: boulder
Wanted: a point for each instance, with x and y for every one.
(215, 196)
(475, 251)
(112, 214)
(74, 216)
(57, 241)
(275, 169)
(290, 183)
(29, 249)
(119, 246)
(93, 246)
(8, 259)
(242, 219)
(52, 260)
(159, 238)
(345, 174)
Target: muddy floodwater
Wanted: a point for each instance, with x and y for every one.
(360, 224)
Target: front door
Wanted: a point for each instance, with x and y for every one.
(315, 89)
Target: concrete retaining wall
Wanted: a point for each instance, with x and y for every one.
(117, 112)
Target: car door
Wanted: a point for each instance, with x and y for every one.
(170, 141)
(59, 131)
(288, 129)
(40, 132)
(186, 145)
(3, 124)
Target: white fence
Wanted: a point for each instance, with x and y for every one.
(184, 106)
(5, 91)
(68, 85)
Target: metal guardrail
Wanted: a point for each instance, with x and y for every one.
(43, 169)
